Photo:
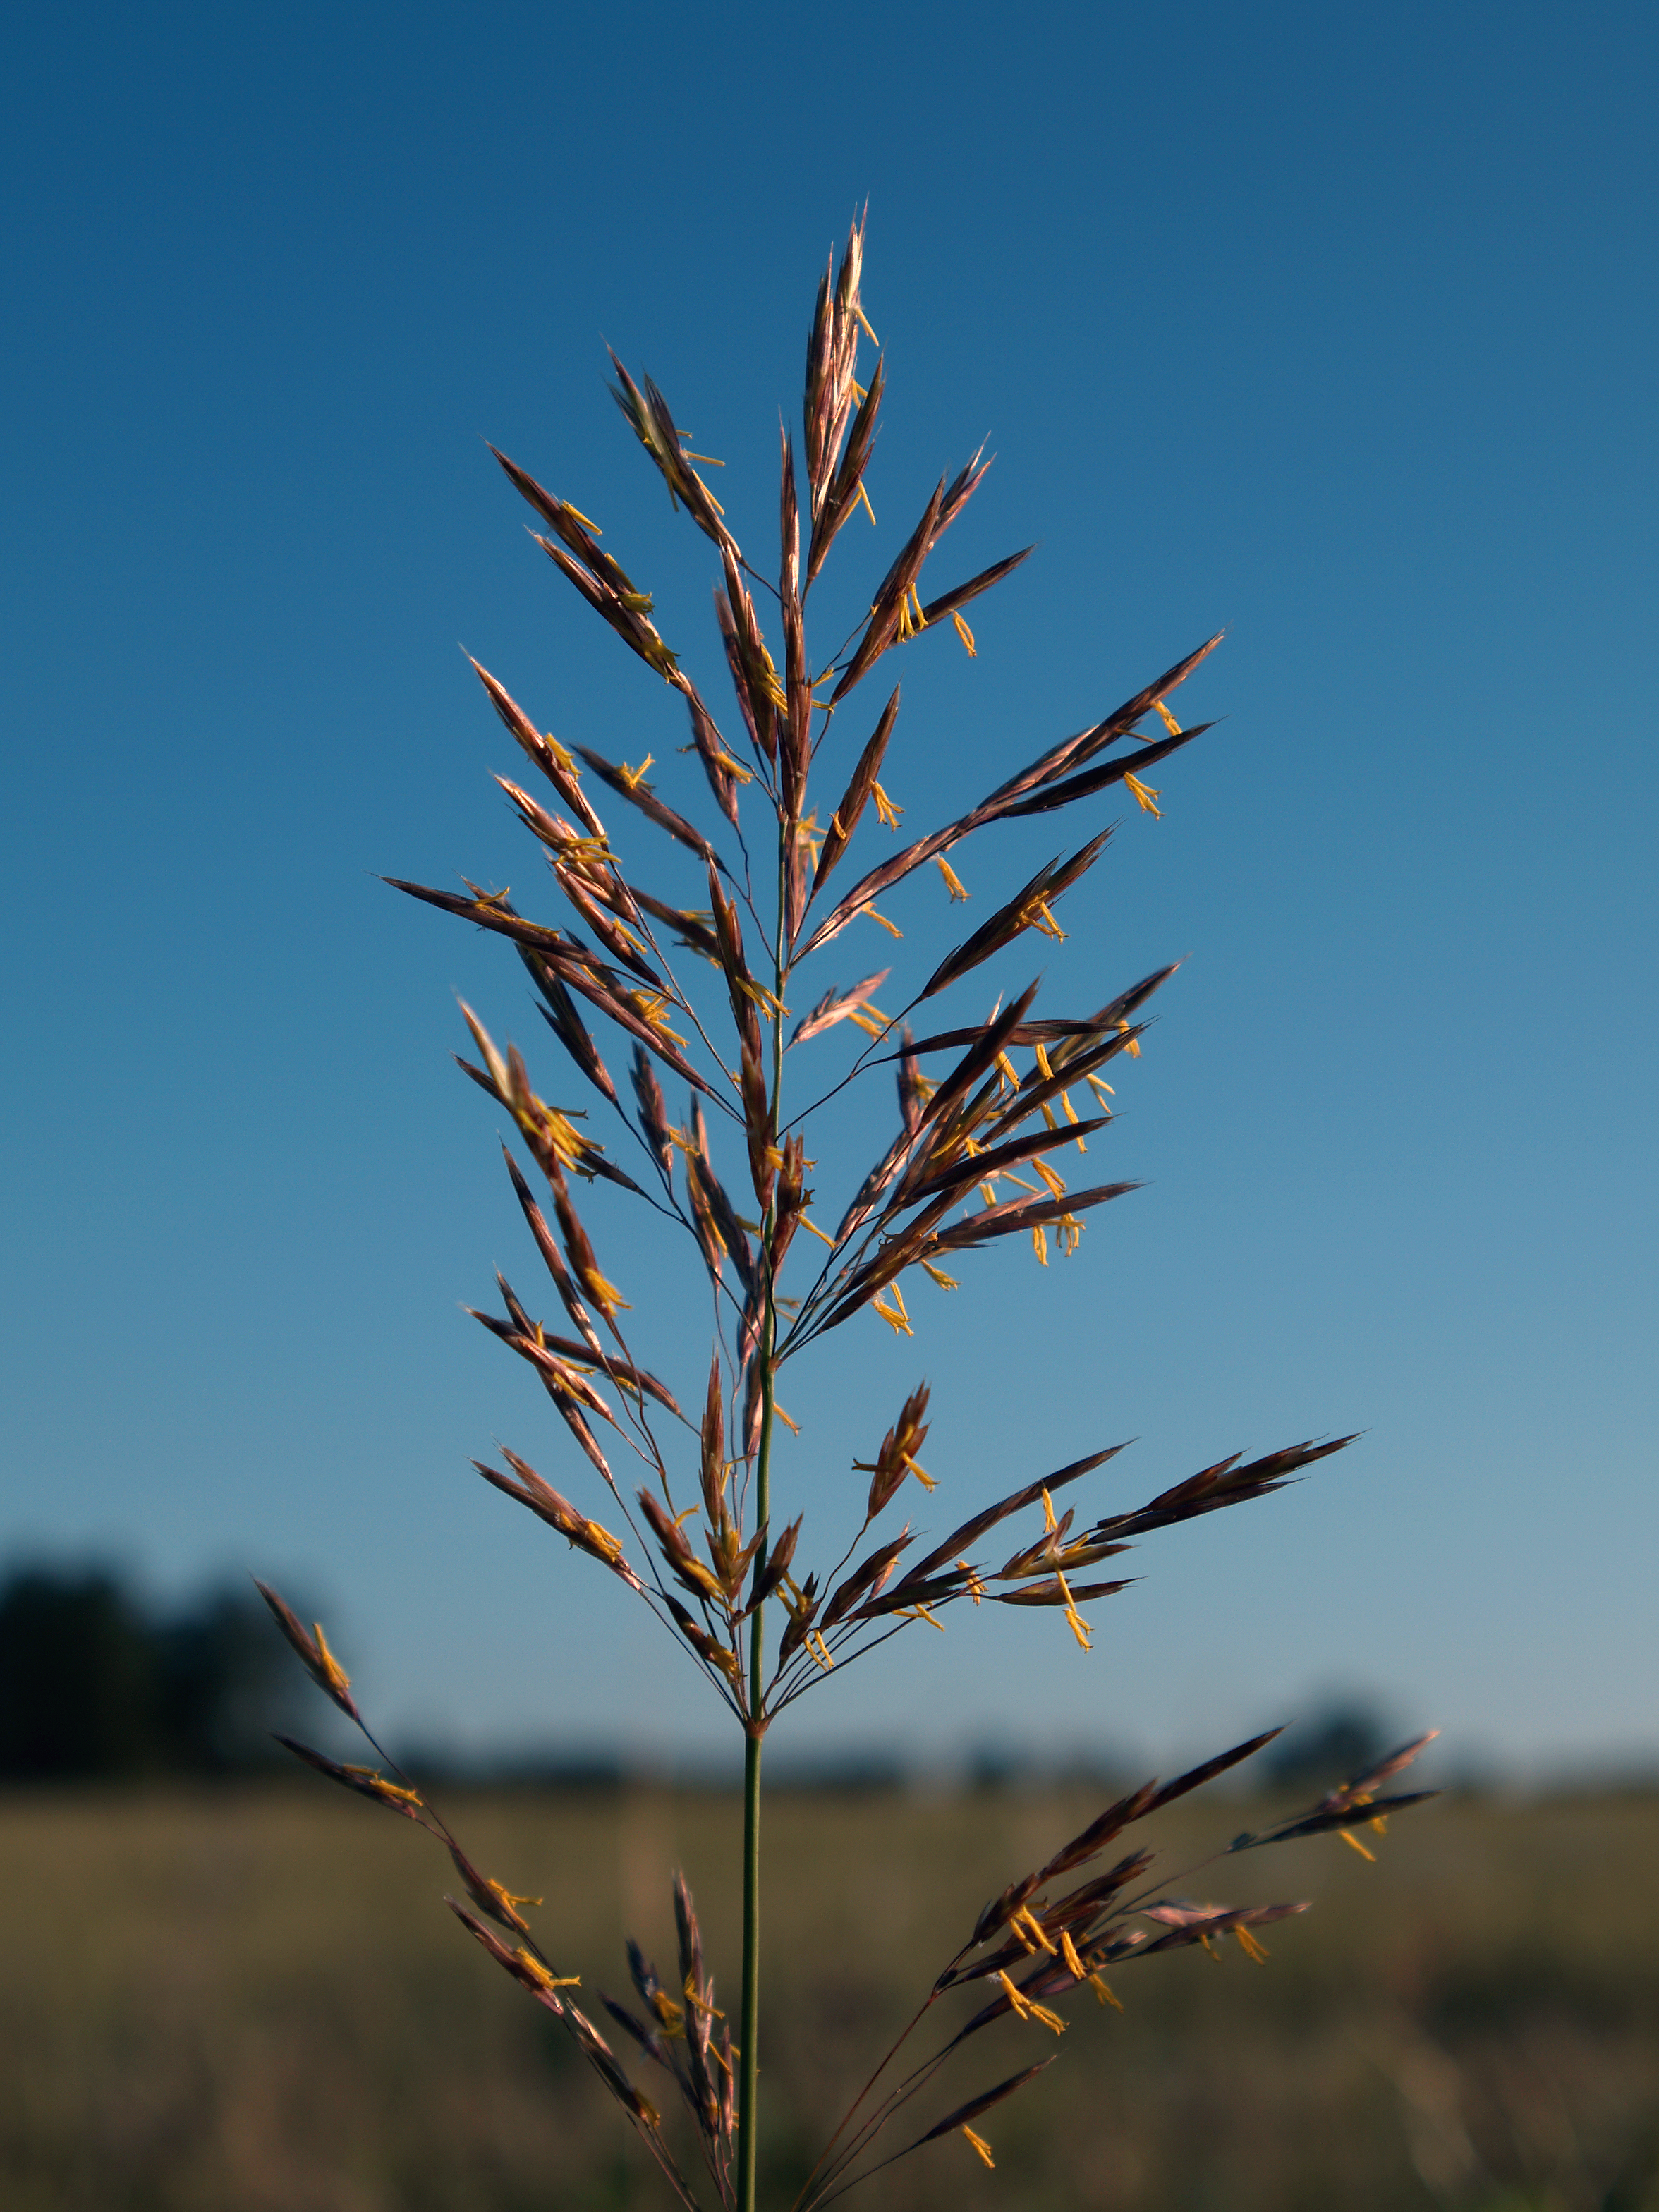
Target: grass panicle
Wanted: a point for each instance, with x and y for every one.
(981, 1154)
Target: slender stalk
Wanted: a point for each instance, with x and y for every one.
(749, 2060)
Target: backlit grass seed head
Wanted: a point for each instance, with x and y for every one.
(318, 1660)
(579, 1253)
(364, 1781)
(897, 1455)
(374, 1785)
(490, 1896)
(546, 1503)
(549, 1133)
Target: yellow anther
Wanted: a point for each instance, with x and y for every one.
(652, 1006)
(945, 1282)
(337, 1677)
(698, 2002)
(1146, 797)
(966, 635)
(981, 2148)
(503, 1896)
(592, 853)
(1026, 2009)
(768, 1001)
(1027, 1920)
(953, 883)
(886, 812)
(542, 1977)
(608, 1546)
(373, 1779)
(605, 1295)
(633, 777)
(1354, 1844)
(1074, 1621)
(1169, 720)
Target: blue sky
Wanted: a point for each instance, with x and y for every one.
(1334, 327)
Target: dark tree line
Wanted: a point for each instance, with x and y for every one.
(94, 1684)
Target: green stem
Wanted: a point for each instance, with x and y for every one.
(749, 2060)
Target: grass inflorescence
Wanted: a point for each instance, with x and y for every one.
(988, 1113)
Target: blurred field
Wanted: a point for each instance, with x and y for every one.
(253, 1999)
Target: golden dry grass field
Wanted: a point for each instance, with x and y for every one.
(254, 1999)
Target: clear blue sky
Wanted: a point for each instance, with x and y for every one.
(1334, 326)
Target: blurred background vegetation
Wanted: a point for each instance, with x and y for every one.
(224, 1985)
(94, 1684)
